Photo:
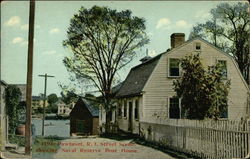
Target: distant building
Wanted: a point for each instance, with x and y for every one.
(37, 101)
(62, 108)
(3, 116)
(84, 118)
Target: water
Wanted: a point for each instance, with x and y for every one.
(52, 127)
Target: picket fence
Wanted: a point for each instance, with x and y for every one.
(221, 139)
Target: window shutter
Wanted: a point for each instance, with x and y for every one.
(167, 107)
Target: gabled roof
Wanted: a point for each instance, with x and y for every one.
(93, 110)
(137, 78)
(138, 75)
(116, 88)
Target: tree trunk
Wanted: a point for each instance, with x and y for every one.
(108, 121)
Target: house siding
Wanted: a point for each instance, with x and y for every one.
(159, 87)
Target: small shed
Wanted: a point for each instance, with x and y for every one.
(84, 118)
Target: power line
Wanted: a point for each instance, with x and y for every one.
(44, 97)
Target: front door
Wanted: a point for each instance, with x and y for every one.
(130, 121)
(81, 126)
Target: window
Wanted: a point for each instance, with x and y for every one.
(125, 109)
(174, 108)
(198, 46)
(174, 67)
(224, 114)
(136, 109)
(119, 110)
(223, 64)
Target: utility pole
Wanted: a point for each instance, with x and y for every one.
(44, 98)
(29, 78)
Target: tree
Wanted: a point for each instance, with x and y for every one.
(69, 97)
(13, 98)
(229, 30)
(203, 92)
(52, 98)
(103, 41)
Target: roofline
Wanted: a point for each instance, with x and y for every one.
(150, 60)
(233, 60)
(4, 83)
(140, 93)
(129, 95)
(81, 98)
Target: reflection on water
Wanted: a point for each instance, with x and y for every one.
(52, 127)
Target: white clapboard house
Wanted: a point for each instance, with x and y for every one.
(147, 92)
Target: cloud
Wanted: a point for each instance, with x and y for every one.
(166, 24)
(24, 43)
(54, 31)
(163, 22)
(50, 52)
(17, 40)
(202, 14)
(53, 53)
(60, 55)
(20, 40)
(24, 27)
(182, 24)
(15, 20)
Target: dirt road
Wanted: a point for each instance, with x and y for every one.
(95, 148)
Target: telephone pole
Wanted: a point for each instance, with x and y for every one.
(29, 78)
(44, 98)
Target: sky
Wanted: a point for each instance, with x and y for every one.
(52, 18)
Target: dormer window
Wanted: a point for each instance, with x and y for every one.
(223, 65)
(174, 67)
(198, 46)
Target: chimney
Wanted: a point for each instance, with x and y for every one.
(146, 58)
(177, 39)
